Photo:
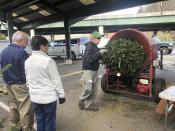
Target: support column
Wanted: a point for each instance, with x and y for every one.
(68, 42)
(52, 36)
(101, 29)
(10, 27)
(32, 33)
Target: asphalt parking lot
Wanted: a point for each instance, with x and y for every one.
(115, 113)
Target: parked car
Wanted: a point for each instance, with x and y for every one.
(167, 47)
(58, 48)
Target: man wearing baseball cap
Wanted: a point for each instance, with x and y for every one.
(90, 73)
(96, 34)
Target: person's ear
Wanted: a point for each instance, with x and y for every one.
(41, 47)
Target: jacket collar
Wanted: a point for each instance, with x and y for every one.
(39, 53)
(14, 44)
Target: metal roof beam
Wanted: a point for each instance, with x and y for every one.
(21, 5)
(40, 21)
(62, 2)
(5, 2)
(73, 21)
(27, 13)
(52, 7)
(115, 28)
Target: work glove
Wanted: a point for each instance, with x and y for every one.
(102, 51)
(62, 100)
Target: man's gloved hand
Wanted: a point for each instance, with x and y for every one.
(62, 100)
(102, 51)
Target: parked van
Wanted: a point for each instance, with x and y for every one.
(58, 48)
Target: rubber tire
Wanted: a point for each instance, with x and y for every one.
(165, 50)
(159, 86)
(73, 56)
(104, 83)
(169, 51)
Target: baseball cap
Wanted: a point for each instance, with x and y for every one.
(96, 34)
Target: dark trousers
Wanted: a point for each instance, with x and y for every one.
(45, 116)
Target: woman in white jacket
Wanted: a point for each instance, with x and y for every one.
(44, 83)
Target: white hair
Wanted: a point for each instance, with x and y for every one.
(19, 35)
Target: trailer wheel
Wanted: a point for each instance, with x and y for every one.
(159, 86)
(169, 51)
(104, 83)
(165, 50)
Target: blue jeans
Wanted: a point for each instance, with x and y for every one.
(45, 116)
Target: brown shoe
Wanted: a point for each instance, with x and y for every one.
(14, 127)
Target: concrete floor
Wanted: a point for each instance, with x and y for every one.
(115, 113)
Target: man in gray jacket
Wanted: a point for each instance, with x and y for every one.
(90, 73)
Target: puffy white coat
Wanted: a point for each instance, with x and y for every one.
(43, 79)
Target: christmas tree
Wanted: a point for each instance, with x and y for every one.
(124, 56)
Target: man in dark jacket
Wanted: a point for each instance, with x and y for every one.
(90, 72)
(12, 61)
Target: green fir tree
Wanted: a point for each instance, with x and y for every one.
(124, 56)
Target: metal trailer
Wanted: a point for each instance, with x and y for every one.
(144, 84)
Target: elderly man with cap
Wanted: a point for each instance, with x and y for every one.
(90, 73)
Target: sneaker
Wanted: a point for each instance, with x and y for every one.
(81, 105)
